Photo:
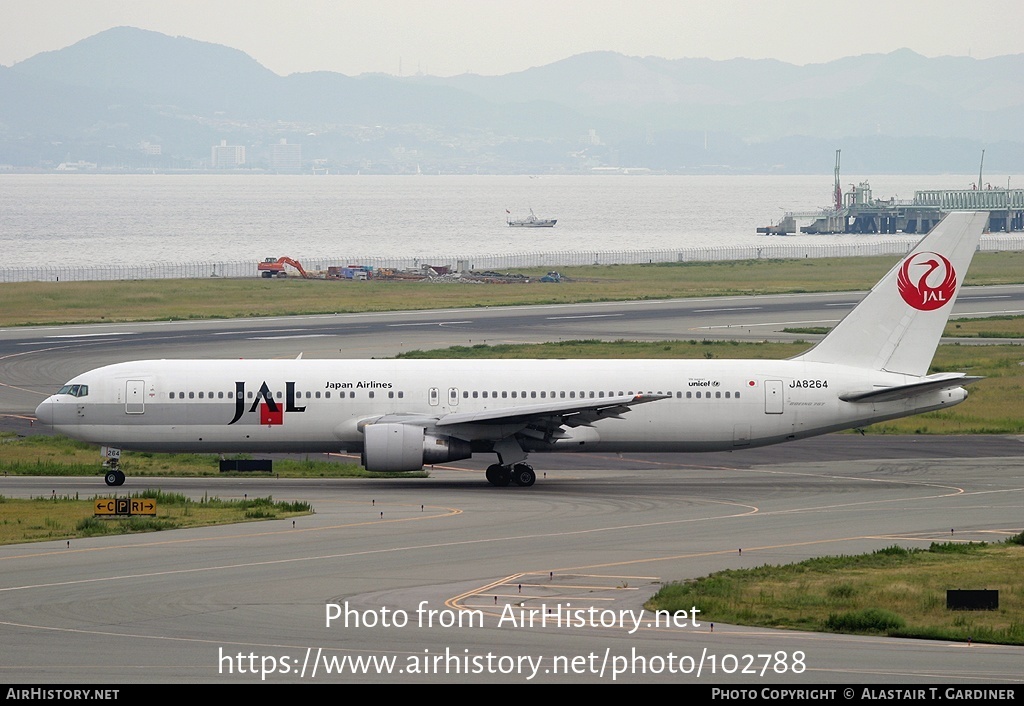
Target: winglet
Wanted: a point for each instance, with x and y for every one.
(897, 326)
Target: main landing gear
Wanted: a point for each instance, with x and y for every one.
(521, 474)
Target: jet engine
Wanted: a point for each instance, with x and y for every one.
(407, 447)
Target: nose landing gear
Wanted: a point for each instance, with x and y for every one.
(113, 475)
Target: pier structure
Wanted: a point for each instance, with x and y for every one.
(860, 212)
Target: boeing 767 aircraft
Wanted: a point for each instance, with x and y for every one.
(402, 414)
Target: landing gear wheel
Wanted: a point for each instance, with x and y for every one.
(523, 475)
(111, 478)
(120, 477)
(498, 475)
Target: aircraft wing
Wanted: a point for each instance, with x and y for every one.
(572, 412)
(932, 383)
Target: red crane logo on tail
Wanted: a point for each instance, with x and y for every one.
(927, 281)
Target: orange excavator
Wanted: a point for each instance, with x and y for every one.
(275, 268)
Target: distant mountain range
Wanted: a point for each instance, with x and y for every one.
(130, 99)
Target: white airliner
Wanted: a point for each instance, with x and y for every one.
(402, 414)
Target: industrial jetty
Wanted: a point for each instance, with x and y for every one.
(857, 211)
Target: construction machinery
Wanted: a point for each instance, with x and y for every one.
(275, 267)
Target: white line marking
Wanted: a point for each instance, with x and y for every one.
(267, 330)
(279, 338)
(431, 323)
(738, 308)
(776, 323)
(582, 316)
(88, 335)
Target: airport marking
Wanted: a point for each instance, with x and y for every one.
(429, 323)
(88, 335)
(770, 323)
(582, 316)
(735, 308)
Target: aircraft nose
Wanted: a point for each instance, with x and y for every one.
(44, 412)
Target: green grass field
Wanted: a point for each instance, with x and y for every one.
(151, 300)
(894, 592)
(62, 517)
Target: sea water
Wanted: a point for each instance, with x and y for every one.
(91, 219)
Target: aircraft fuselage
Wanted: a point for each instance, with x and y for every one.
(323, 405)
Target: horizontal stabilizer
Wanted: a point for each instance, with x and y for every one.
(932, 383)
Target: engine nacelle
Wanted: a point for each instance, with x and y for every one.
(406, 447)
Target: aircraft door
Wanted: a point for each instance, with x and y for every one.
(773, 397)
(135, 397)
(433, 396)
(453, 396)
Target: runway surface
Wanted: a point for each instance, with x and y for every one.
(591, 541)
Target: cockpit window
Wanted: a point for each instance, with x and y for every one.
(74, 390)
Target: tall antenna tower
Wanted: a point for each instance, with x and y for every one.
(837, 189)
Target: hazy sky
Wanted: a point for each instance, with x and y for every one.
(445, 37)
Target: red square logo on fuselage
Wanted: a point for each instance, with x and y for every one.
(269, 416)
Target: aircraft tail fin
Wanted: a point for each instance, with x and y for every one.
(897, 326)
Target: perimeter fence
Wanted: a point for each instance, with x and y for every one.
(477, 263)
